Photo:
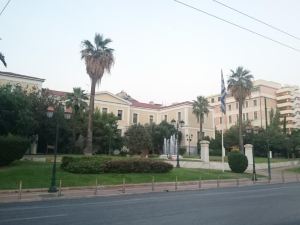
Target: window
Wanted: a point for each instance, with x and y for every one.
(135, 118)
(255, 102)
(120, 114)
(255, 115)
(246, 104)
(237, 105)
(166, 118)
(104, 110)
(229, 107)
(219, 99)
(247, 117)
(221, 120)
(179, 116)
(230, 119)
(151, 119)
(212, 100)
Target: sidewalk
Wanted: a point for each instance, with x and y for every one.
(126, 189)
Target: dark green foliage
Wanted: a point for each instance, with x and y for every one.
(182, 150)
(137, 166)
(12, 148)
(238, 162)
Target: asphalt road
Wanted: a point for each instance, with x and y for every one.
(265, 205)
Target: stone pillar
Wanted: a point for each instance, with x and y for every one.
(248, 153)
(204, 150)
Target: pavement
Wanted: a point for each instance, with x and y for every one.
(274, 204)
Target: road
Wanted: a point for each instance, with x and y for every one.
(253, 205)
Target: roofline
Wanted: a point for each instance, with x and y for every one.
(10, 74)
(109, 93)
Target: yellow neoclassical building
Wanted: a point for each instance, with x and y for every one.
(130, 111)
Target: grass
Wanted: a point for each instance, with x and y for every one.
(295, 170)
(38, 175)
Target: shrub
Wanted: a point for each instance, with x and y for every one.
(137, 166)
(238, 162)
(12, 148)
(182, 151)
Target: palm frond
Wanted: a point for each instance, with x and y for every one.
(2, 59)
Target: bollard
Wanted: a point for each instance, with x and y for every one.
(59, 189)
(237, 182)
(218, 182)
(176, 185)
(152, 183)
(200, 183)
(282, 177)
(96, 187)
(123, 188)
(20, 190)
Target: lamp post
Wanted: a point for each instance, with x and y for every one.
(67, 115)
(251, 130)
(177, 125)
(189, 138)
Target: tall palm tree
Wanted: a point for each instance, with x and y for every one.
(240, 85)
(2, 59)
(200, 108)
(98, 59)
(77, 100)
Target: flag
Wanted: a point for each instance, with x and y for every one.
(223, 94)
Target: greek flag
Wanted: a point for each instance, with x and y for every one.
(223, 94)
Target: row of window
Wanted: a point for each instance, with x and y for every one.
(246, 104)
(245, 117)
(119, 113)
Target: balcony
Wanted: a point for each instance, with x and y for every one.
(278, 98)
(284, 104)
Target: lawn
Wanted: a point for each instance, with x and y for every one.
(295, 170)
(38, 175)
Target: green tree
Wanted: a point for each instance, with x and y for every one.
(98, 59)
(77, 100)
(240, 85)
(138, 140)
(2, 59)
(200, 108)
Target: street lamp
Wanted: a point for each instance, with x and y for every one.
(67, 114)
(251, 130)
(189, 138)
(177, 125)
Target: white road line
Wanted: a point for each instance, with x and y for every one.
(32, 218)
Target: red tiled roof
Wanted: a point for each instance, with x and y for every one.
(56, 93)
(145, 105)
(177, 104)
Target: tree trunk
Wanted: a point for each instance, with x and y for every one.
(89, 147)
(241, 126)
(201, 121)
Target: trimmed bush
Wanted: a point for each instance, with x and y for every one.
(95, 165)
(238, 162)
(12, 148)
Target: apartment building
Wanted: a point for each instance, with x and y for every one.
(263, 98)
(288, 103)
(131, 111)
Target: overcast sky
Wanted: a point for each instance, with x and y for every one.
(164, 51)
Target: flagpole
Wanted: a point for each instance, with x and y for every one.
(223, 149)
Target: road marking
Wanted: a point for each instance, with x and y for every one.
(32, 218)
(111, 203)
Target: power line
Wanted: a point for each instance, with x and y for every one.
(239, 26)
(258, 20)
(4, 7)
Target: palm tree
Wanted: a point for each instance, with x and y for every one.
(77, 100)
(98, 59)
(2, 59)
(200, 108)
(240, 85)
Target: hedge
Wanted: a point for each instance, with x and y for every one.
(238, 162)
(12, 148)
(95, 165)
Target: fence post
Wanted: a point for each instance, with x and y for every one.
(237, 182)
(59, 189)
(152, 183)
(218, 182)
(20, 190)
(123, 188)
(176, 180)
(282, 176)
(200, 183)
(96, 187)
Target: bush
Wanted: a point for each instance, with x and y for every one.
(83, 165)
(137, 166)
(182, 151)
(215, 152)
(238, 162)
(12, 148)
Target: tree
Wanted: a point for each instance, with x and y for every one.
(138, 140)
(77, 100)
(98, 59)
(240, 85)
(200, 108)
(2, 59)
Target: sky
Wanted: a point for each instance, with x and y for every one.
(164, 52)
